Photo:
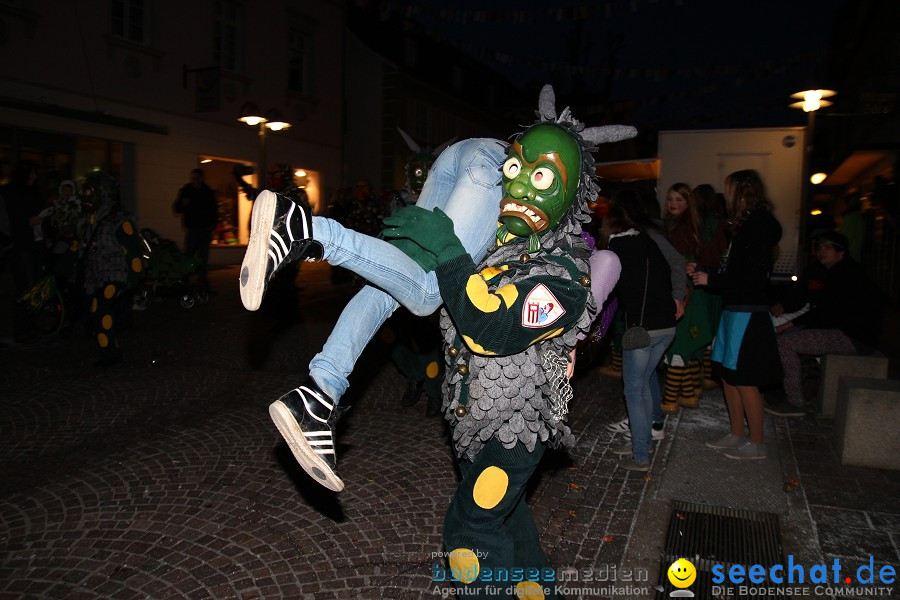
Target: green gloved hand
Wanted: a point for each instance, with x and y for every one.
(430, 230)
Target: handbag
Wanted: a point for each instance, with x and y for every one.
(636, 337)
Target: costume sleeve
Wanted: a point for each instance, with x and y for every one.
(508, 319)
(676, 262)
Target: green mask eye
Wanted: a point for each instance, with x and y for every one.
(540, 179)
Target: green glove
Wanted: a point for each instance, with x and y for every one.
(430, 230)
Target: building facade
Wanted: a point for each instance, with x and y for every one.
(148, 90)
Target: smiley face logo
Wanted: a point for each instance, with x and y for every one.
(682, 573)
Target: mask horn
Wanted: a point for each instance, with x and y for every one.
(608, 133)
(547, 103)
(409, 141)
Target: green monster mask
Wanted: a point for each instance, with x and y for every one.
(540, 179)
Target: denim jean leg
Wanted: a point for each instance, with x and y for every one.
(358, 323)
(637, 400)
(464, 183)
(638, 367)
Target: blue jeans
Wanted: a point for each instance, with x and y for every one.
(465, 183)
(638, 373)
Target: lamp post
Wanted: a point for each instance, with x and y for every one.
(272, 120)
(809, 101)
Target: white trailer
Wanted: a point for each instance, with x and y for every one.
(708, 156)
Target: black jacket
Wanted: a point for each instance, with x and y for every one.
(847, 301)
(643, 262)
(744, 274)
(199, 207)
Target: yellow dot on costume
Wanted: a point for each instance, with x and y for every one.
(106, 322)
(529, 589)
(490, 487)
(91, 220)
(432, 369)
(94, 306)
(102, 340)
(109, 291)
(387, 335)
(127, 227)
(136, 265)
(464, 565)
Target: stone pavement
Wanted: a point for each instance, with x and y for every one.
(164, 478)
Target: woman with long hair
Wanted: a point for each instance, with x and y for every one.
(702, 242)
(745, 355)
(644, 292)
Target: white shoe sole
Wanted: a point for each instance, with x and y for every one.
(253, 268)
(306, 457)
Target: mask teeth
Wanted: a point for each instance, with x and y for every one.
(534, 243)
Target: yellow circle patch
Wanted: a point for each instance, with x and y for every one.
(529, 589)
(490, 487)
(136, 265)
(127, 227)
(109, 291)
(106, 322)
(94, 305)
(464, 565)
(432, 369)
(102, 340)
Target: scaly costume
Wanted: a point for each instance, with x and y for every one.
(509, 324)
(109, 260)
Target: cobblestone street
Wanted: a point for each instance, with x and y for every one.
(164, 477)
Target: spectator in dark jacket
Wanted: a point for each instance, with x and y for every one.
(844, 318)
(197, 202)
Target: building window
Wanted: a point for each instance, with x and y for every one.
(300, 50)
(228, 52)
(130, 20)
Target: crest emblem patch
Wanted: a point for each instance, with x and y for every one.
(541, 308)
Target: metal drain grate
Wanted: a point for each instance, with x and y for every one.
(711, 535)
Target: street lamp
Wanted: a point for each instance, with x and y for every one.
(272, 119)
(809, 101)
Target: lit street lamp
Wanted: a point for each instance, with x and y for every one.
(809, 101)
(251, 115)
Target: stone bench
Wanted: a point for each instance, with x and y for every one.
(866, 421)
(835, 366)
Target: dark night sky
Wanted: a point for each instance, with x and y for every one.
(670, 64)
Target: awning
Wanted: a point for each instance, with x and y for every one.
(629, 170)
(861, 166)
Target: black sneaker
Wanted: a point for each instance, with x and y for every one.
(783, 409)
(280, 233)
(305, 418)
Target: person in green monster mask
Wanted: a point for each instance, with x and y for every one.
(514, 308)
